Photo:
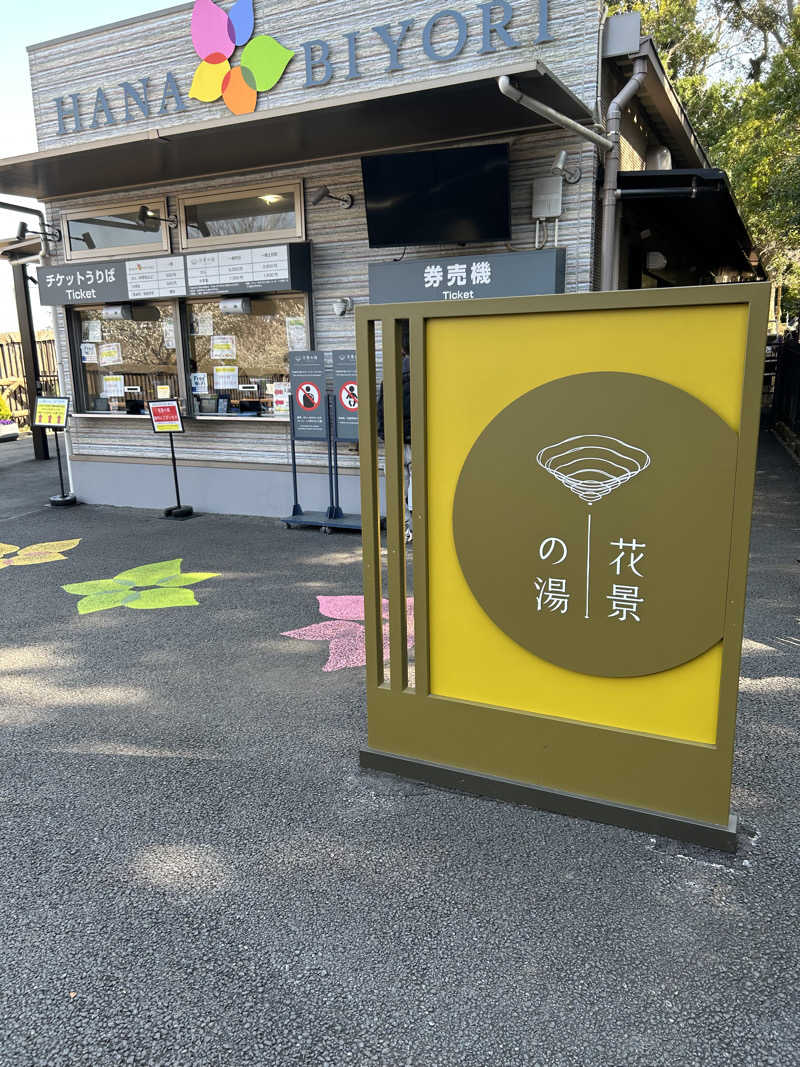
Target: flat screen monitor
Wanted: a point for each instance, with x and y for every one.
(450, 196)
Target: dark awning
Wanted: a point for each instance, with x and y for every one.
(372, 123)
(692, 217)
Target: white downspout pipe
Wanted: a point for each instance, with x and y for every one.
(507, 88)
(613, 126)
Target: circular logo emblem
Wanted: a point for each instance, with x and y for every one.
(348, 396)
(592, 523)
(308, 396)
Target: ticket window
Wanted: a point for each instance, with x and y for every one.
(239, 361)
(127, 361)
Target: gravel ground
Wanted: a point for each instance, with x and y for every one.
(194, 871)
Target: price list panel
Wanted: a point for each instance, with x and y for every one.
(152, 279)
(238, 271)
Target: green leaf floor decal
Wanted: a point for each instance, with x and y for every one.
(145, 588)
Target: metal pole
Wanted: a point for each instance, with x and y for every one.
(175, 470)
(296, 509)
(60, 471)
(27, 335)
(331, 507)
(337, 508)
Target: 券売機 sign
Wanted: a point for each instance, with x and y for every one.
(468, 277)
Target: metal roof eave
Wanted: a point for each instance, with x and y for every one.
(664, 108)
(439, 112)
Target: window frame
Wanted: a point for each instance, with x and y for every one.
(192, 403)
(107, 207)
(79, 387)
(189, 244)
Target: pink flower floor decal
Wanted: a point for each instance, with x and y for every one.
(344, 630)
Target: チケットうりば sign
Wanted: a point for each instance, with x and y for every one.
(272, 268)
(166, 416)
(51, 412)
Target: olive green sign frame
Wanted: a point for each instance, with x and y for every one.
(658, 784)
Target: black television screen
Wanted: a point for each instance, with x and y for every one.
(450, 196)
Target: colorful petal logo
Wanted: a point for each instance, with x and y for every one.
(215, 36)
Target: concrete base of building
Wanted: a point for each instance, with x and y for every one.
(222, 490)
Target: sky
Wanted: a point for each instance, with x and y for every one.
(34, 21)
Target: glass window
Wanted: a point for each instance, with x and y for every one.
(128, 362)
(115, 230)
(240, 362)
(258, 215)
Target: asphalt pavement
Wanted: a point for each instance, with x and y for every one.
(194, 871)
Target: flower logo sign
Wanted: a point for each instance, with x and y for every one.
(44, 552)
(215, 36)
(155, 585)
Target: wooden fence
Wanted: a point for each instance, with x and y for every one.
(12, 377)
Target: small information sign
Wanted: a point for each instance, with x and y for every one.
(113, 385)
(163, 391)
(307, 374)
(345, 388)
(166, 416)
(51, 412)
(226, 378)
(223, 346)
(110, 354)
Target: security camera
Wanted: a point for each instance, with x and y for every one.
(560, 168)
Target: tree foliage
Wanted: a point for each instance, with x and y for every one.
(736, 66)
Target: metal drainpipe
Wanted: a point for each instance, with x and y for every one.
(613, 127)
(6, 206)
(507, 88)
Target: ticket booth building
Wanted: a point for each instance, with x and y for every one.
(228, 181)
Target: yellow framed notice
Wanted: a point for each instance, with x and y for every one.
(51, 412)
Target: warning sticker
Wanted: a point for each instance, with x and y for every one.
(307, 396)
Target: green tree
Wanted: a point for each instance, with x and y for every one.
(736, 66)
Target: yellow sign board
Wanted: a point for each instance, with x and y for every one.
(51, 412)
(580, 548)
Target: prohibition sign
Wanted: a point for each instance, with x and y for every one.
(308, 396)
(348, 396)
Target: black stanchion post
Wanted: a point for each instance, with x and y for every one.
(296, 509)
(180, 511)
(65, 500)
(166, 418)
(337, 510)
(52, 413)
(331, 513)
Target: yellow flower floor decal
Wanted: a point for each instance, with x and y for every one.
(44, 552)
(154, 585)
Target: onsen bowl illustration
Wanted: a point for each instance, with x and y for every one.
(592, 466)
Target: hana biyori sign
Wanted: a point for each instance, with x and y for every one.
(237, 66)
